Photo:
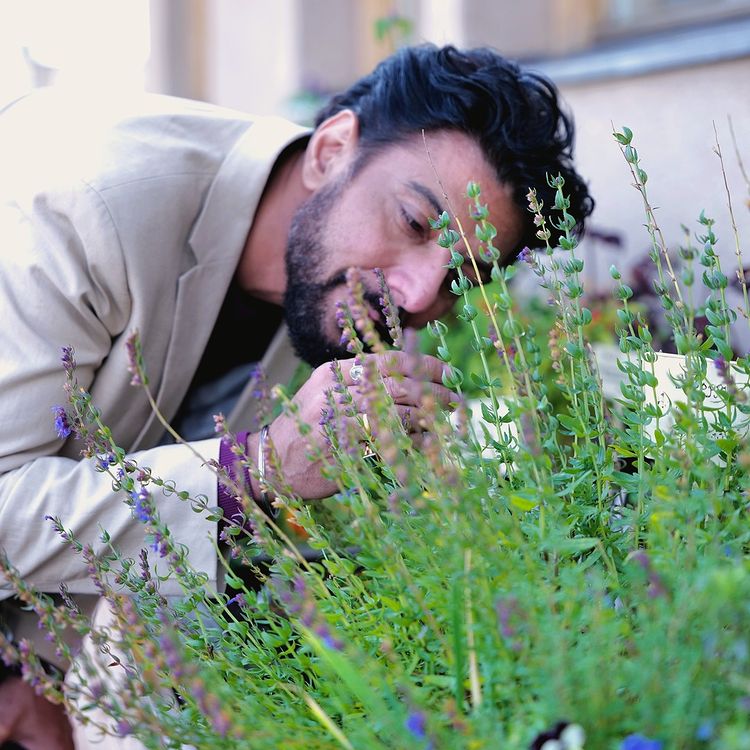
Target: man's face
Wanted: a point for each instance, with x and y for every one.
(378, 218)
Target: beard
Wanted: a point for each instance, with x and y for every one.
(305, 294)
(307, 291)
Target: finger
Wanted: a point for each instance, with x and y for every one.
(409, 416)
(418, 366)
(410, 392)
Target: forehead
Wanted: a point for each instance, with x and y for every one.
(438, 166)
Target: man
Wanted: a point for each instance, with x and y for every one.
(196, 225)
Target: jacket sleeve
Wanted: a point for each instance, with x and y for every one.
(85, 502)
(63, 281)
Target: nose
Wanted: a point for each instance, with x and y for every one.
(417, 286)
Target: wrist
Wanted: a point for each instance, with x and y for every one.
(254, 449)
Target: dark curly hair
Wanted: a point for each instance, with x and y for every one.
(513, 114)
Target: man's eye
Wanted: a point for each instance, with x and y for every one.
(414, 225)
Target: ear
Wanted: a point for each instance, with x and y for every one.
(330, 149)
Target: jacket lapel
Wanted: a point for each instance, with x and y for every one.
(216, 240)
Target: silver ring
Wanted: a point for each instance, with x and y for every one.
(355, 372)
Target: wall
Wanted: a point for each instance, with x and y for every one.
(672, 115)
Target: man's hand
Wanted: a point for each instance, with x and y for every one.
(31, 720)
(406, 376)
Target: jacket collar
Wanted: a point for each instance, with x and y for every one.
(222, 226)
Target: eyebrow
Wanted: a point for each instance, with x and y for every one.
(427, 194)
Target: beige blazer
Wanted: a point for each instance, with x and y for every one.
(116, 215)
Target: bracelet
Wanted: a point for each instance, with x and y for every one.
(264, 503)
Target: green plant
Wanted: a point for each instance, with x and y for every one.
(566, 559)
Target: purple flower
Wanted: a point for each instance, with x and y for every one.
(416, 724)
(343, 321)
(526, 256)
(724, 369)
(172, 657)
(506, 611)
(132, 348)
(210, 707)
(239, 600)
(639, 742)
(656, 587)
(220, 426)
(329, 640)
(390, 310)
(104, 461)
(62, 425)
(258, 376)
(66, 357)
(142, 506)
(59, 528)
(326, 417)
(159, 544)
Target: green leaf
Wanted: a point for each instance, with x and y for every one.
(452, 377)
(572, 424)
(621, 450)
(522, 503)
(575, 545)
(510, 328)
(436, 328)
(470, 312)
(232, 581)
(353, 678)
(573, 349)
(649, 379)
(502, 300)
(479, 380)
(443, 353)
(488, 413)
(727, 444)
(625, 137)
